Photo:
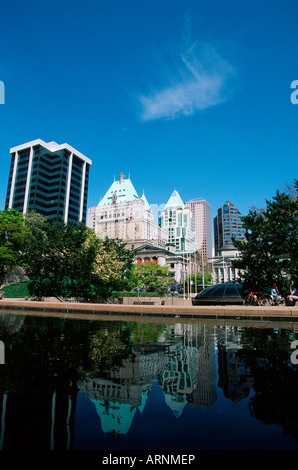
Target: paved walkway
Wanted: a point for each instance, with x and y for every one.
(175, 311)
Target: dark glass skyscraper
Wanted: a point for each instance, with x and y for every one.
(49, 178)
(228, 224)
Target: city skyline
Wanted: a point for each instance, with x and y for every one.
(193, 95)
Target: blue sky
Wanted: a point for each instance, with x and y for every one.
(189, 95)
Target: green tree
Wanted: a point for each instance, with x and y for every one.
(198, 278)
(111, 269)
(12, 234)
(69, 260)
(56, 257)
(152, 277)
(270, 250)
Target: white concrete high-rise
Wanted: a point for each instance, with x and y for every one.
(178, 221)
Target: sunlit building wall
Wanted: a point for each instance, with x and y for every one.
(201, 212)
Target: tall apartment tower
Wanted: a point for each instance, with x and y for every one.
(227, 224)
(177, 220)
(49, 178)
(201, 212)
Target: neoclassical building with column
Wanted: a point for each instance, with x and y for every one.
(167, 255)
(49, 178)
(222, 268)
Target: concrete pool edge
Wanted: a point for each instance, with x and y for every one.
(216, 312)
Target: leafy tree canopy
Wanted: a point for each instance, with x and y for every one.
(151, 277)
(270, 250)
(12, 233)
(69, 260)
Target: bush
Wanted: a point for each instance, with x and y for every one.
(134, 294)
(14, 291)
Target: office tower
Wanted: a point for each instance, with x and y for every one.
(122, 214)
(49, 178)
(177, 219)
(228, 224)
(201, 212)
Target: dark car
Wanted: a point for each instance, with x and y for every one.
(227, 293)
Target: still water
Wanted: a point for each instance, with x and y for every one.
(98, 384)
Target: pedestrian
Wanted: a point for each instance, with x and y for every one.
(293, 294)
(277, 298)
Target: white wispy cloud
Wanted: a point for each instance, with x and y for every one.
(196, 79)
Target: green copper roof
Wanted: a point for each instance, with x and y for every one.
(147, 206)
(174, 201)
(120, 191)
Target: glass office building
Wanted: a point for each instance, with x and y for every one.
(49, 178)
(228, 225)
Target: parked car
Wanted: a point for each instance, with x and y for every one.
(227, 293)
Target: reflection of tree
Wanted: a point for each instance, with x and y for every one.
(274, 377)
(153, 332)
(45, 359)
(45, 352)
(109, 349)
(49, 351)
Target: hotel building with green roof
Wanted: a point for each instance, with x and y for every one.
(122, 214)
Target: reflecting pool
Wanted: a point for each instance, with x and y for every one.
(137, 384)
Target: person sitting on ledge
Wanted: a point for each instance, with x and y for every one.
(293, 294)
(277, 298)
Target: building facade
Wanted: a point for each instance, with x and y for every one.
(49, 178)
(178, 221)
(178, 264)
(123, 215)
(201, 212)
(227, 224)
(222, 265)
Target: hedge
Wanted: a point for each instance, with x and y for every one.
(134, 294)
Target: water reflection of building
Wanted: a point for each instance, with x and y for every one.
(190, 375)
(183, 363)
(205, 392)
(118, 397)
(178, 376)
(177, 379)
(233, 376)
(39, 411)
(116, 413)
(201, 337)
